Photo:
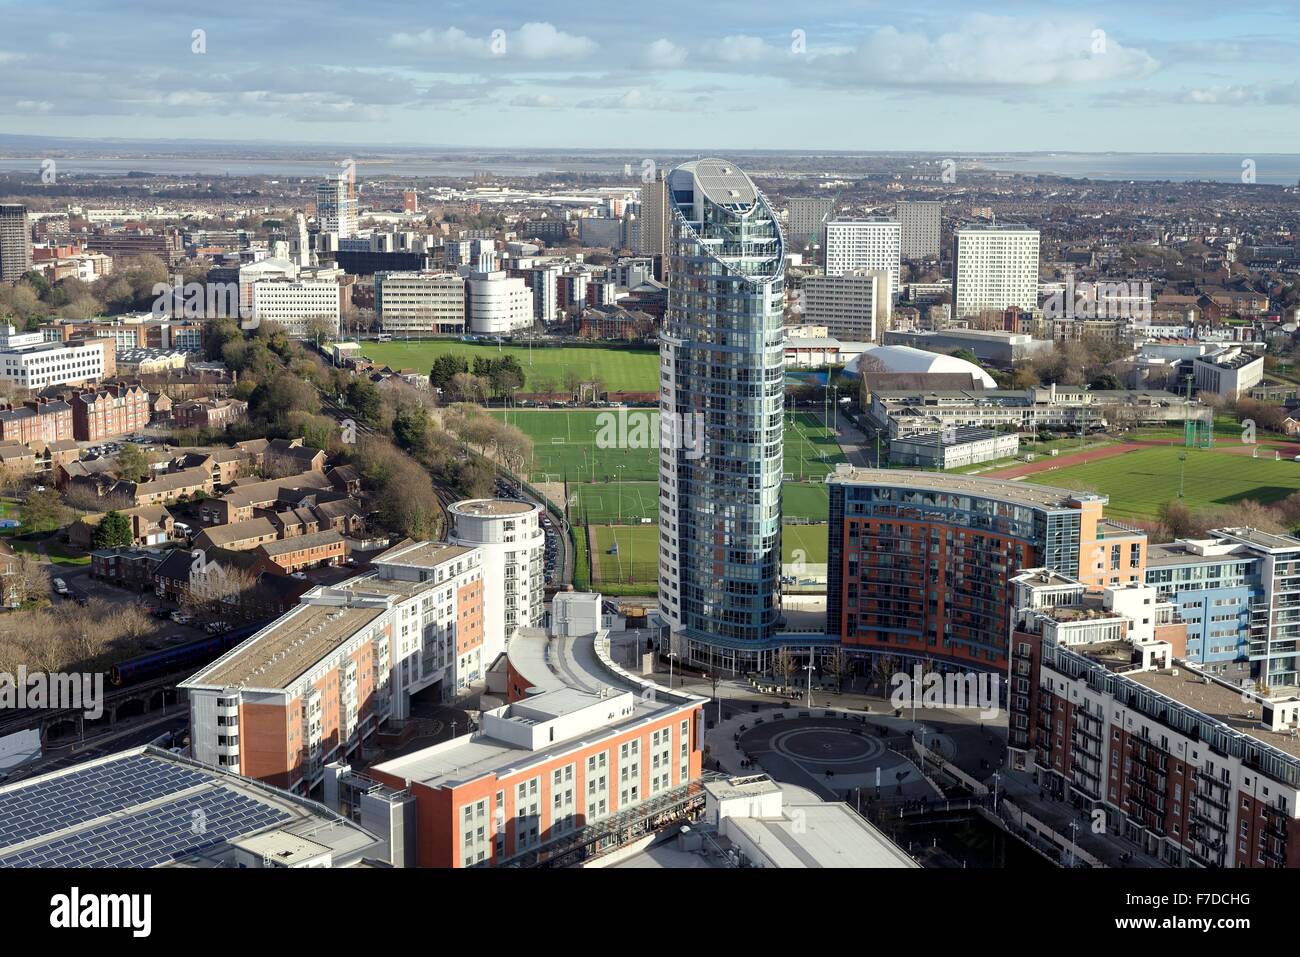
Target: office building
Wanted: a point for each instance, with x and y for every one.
(920, 222)
(954, 448)
(420, 304)
(994, 267)
(27, 361)
(854, 306)
(805, 217)
(15, 242)
(927, 559)
(497, 304)
(1228, 372)
(303, 308)
(722, 369)
(864, 244)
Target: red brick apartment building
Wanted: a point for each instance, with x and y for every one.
(110, 412)
(1106, 715)
(308, 688)
(556, 763)
(920, 561)
(36, 421)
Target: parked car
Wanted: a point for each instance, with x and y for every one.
(60, 586)
(181, 618)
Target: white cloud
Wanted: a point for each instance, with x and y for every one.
(986, 51)
(532, 41)
(535, 100)
(665, 54)
(632, 100)
(741, 49)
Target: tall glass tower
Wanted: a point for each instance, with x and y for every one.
(722, 369)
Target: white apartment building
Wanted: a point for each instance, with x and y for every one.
(336, 206)
(865, 244)
(436, 594)
(920, 222)
(498, 304)
(513, 544)
(854, 306)
(29, 362)
(420, 303)
(994, 267)
(296, 303)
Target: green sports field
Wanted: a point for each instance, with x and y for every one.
(565, 445)
(635, 568)
(621, 370)
(1139, 482)
(619, 503)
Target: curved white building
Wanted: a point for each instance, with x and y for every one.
(514, 550)
(907, 359)
(498, 304)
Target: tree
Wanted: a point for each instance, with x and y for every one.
(784, 666)
(836, 664)
(44, 511)
(132, 464)
(113, 531)
(364, 399)
(445, 368)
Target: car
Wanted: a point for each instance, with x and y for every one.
(160, 613)
(60, 586)
(181, 618)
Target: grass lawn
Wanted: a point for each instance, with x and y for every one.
(58, 554)
(810, 447)
(621, 370)
(10, 508)
(1138, 483)
(810, 500)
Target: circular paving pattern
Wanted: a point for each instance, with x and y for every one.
(822, 745)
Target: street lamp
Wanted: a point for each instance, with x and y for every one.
(810, 667)
(671, 656)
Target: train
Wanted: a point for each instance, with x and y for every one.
(161, 662)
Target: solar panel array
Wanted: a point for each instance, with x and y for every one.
(156, 836)
(146, 838)
(79, 796)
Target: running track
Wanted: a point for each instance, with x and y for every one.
(1048, 464)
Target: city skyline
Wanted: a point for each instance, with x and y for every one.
(1112, 77)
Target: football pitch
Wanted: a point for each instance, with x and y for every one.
(545, 367)
(565, 445)
(623, 503)
(635, 561)
(1139, 482)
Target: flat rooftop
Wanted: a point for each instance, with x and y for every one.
(1217, 701)
(823, 835)
(149, 808)
(1021, 493)
(491, 507)
(1263, 539)
(292, 645)
(421, 554)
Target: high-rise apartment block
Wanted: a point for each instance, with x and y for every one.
(994, 267)
(853, 307)
(920, 223)
(336, 206)
(864, 244)
(15, 242)
(722, 369)
(805, 217)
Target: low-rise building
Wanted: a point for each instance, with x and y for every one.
(952, 448)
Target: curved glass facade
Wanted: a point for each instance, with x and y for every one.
(722, 368)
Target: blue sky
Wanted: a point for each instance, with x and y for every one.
(1145, 76)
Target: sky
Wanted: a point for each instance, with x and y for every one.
(943, 75)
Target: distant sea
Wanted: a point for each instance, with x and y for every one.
(1275, 168)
